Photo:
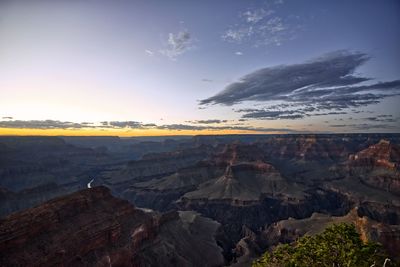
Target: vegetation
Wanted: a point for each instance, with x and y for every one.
(339, 245)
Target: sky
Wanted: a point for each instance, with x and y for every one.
(128, 68)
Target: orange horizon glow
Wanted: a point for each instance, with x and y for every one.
(120, 132)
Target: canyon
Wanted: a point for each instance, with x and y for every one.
(174, 200)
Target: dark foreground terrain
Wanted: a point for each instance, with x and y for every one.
(192, 201)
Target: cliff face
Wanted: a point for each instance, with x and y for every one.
(248, 184)
(70, 230)
(256, 215)
(91, 227)
(240, 184)
(309, 147)
(156, 165)
(383, 154)
(253, 192)
(236, 152)
(222, 175)
(378, 166)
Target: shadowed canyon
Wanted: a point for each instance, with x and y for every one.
(170, 201)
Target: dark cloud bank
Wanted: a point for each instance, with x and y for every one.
(323, 86)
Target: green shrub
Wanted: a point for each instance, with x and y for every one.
(338, 246)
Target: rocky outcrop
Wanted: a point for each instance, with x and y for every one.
(377, 204)
(221, 172)
(161, 193)
(92, 228)
(246, 179)
(155, 165)
(383, 154)
(287, 231)
(243, 184)
(266, 211)
(236, 152)
(68, 230)
(247, 249)
(378, 166)
(306, 147)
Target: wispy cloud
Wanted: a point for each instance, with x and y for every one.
(177, 44)
(149, 52)
(238, 53)
(262, 27)
(215, 121)
(254, 16)
(327, 83)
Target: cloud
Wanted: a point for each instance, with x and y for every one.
(254, 16)
(54, 124)
(215, 121)
(206, 80)
(238, 53)
(177, 44)
(237, 35)
(199, 125)
(149, 52)
(382, 118)
(272, 114)
(42, 124)
(125, 124)
(180, 127)
(7, 118)
(328, 113)
(274, 83)
(327, 83)
(262, 27)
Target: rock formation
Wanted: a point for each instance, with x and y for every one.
(378, 166)
(93, 228)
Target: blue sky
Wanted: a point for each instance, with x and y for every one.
(156, 62)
